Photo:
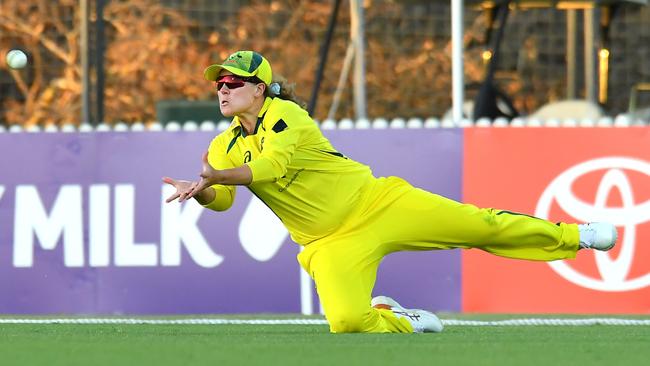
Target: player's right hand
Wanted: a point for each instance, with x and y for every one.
(183, 188)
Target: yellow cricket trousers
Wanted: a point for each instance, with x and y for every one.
(391, 215)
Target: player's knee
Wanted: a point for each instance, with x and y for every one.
(348, 322)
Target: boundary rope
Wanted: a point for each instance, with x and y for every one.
(216, 321)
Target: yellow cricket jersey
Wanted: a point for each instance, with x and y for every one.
(297, 173)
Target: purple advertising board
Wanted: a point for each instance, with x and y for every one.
(84, 228)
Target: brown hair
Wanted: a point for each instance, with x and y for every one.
(287, 91)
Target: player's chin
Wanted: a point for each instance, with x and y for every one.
(226, 111)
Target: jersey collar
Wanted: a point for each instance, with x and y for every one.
(260, 117)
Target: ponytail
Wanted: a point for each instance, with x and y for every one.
(281, 88)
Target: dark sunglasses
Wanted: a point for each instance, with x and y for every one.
(234, 82)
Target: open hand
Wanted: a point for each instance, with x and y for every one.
(183, 189)
(209, 177)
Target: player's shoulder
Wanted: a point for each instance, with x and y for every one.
(288, 111)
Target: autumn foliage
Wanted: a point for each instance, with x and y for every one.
(155, 52)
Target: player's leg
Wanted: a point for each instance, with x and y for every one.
(414, 219)
(344, 271)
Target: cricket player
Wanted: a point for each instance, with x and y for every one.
(346, 218)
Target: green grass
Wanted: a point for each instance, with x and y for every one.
(95, 345)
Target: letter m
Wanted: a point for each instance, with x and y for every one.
(65, 218)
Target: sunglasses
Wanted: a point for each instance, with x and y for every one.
(234, 82)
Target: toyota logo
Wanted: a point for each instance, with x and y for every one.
(614, 273)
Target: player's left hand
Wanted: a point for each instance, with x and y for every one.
(208, 176)
(183, 188)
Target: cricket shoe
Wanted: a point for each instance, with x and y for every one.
(597, 235)
(422, 321)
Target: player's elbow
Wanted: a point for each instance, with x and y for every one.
(220, 206)
(223, 199)
(278, 169)
(268, 170)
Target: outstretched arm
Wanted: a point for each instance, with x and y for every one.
(209, 176)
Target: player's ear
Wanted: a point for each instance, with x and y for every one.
(260, 90)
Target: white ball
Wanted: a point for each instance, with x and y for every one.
(16, 59)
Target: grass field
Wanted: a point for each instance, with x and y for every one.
(145, 344)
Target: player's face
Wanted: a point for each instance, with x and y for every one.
(236, 93)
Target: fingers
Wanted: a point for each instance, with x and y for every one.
(188, 192)
(183, 189)
(173, 197)
(197, 187)
(193, 191)
(172, 182)
(207, 173)
(206, 163)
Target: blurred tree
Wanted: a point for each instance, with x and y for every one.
(155, 52)
(408, 71)
(408, 75)
(42, 30)
(150, 56)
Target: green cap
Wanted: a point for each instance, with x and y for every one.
(242, 63)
